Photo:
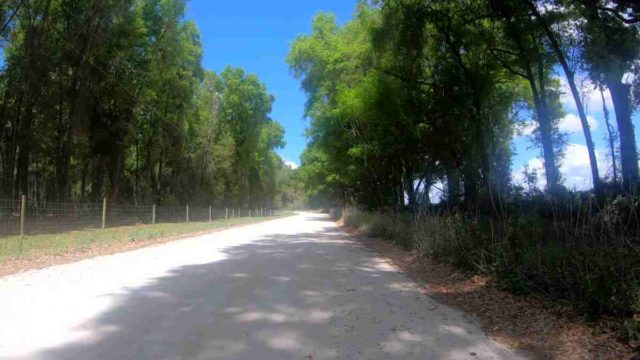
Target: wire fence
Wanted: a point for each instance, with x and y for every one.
(22, 217)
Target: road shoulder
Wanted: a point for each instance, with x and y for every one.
(43, 259)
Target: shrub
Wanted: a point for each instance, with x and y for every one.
(573, 250)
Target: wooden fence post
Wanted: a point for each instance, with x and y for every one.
(209, 213)
(187, 212)
(226, 213)
(104, 213)
(23, 213)
(153, 214)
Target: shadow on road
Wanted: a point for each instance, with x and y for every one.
(303, 296)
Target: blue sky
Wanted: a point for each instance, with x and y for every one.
(575, 167)
(256, 35)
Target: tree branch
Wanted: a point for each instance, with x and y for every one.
(403, 78)
(629, 21)
(507, 66)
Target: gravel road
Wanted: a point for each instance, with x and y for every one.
(293, 288)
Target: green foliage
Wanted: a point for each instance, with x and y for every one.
(409, 94)
(291, 194)
(109, 98)
(412, 96)
(406, 94)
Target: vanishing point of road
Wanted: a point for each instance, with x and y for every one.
(292, 288)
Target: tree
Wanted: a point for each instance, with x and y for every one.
(449, 113)
(532, 62)
(244, 110)
(610, 48)
(109, 98)
(555, 46)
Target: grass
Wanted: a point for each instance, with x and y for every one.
(51, 245)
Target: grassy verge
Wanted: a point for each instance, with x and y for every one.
(37, 250)
(579, 262)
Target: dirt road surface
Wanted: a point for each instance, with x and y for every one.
(293, 288)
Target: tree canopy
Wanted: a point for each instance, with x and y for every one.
(413, 95)
(109, 98)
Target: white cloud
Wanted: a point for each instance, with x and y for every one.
(435, 192)
(291, 164)
(591, 98)
(571, 123)
(628, 78)
(575, 168)
(526, 128)
(535, 164)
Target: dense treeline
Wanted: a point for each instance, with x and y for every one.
(411, 93)
(109, 98)
(414, 95)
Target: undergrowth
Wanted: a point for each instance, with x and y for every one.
(574, 251)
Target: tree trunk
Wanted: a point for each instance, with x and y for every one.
(158, 180)
(550, 168)
(628, 154)
(546, 138)
(611, 137)
(115, 170)
(546, 131)
(24, 150)
(62, 156)
(540, 103)
(10, 151)
(83, 179)
(410, 190)
(34, 77)
(453, 186)
(595, 173)
(555, 46)
(98, 179)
